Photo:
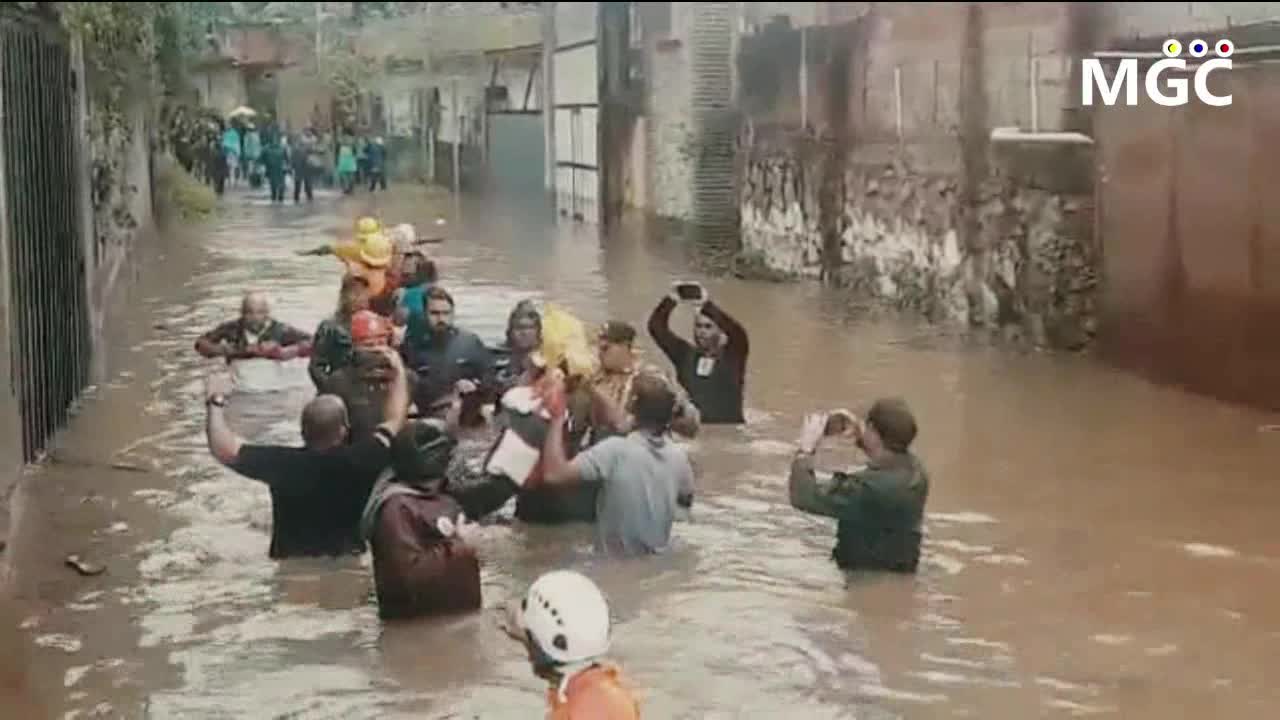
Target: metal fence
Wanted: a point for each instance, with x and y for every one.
(49, 341)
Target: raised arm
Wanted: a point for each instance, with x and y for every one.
(224, 444)
(396, 411)
(673, 346)
(820, 494)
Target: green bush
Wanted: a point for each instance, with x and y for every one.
(181, 194)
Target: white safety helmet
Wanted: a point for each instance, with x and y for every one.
(566, 618)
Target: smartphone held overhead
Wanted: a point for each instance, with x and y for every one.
(690, 291)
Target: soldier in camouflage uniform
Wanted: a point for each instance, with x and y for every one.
(879, 507)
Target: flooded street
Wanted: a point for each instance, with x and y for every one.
(1095, 545)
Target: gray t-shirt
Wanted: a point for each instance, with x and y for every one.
(641, 476)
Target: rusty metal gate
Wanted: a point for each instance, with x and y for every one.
(48, 328)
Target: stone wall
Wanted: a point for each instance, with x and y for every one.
(1031, 269)
(892, 189)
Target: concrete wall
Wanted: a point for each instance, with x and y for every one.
(302, 98)
(221, 87)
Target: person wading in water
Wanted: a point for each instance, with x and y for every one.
(365, 383)
(333, 345)
(319, 490)
(524, 337)
(254, 335)
(713, 368)
(642, 477)
(563, 623)
(415, 523)
(879, 508)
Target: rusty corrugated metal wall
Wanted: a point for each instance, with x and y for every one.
(1190, 226)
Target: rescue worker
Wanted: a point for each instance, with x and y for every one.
(319, 490)
(642, 478)
(370, 258)
(449, 359)
(416, 524)
(879, 508)
(254, 335)
(563, 622)
(333, 345)
(363, 384)
(365, 228)
(713, 368)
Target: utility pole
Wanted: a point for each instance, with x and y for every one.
(319, 8)
(457, 140)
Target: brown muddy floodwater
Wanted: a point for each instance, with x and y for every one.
(1096, 545)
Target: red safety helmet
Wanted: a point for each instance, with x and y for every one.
(369, 329)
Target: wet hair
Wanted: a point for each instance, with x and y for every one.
(322, 419)
(618, 332)
(524, 310)
(654, 402)
(439, 293)
(895, 424)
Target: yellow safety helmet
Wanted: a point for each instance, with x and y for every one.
(376, 250)
(367, 226)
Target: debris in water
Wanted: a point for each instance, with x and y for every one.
(1112, 640)
(67, 643)
(84, 567)
(121, 465)
(1203, 550)
(1269, 428)
(74, 675)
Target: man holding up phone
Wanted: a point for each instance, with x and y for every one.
(713, 368)
(880, 506)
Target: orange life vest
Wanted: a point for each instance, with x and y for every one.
(597, 693)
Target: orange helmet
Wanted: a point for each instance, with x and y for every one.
(369, 329)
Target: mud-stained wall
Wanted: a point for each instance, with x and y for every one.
(1187, 206)
(882, 177)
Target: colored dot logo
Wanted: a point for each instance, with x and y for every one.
(1198, 48)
